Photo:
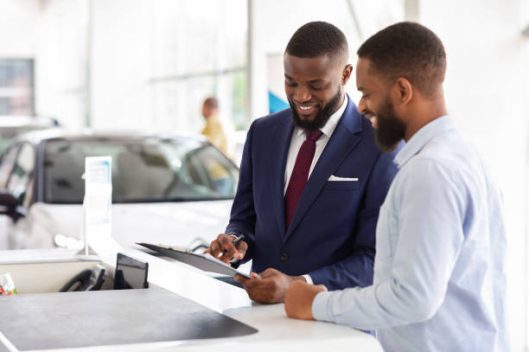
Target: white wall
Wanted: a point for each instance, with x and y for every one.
(487, 91)
(60, 61)
(18, 22)
(121, 64)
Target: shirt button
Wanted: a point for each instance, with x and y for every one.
(283, 257)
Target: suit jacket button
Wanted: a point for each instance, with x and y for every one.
(283, 257)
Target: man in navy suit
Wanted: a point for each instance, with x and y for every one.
(311, 181)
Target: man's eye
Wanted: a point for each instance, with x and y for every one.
(290, 83)
(316, 87)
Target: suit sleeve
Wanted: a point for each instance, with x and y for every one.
(357, 269)
(242, 218)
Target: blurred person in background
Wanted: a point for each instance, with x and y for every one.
(214, 129)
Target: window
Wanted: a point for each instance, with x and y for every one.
(143, 170)
(16, 87)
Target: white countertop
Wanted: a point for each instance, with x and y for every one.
(276, 331)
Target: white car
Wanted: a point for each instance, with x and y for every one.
(11, 126)
(175, 190)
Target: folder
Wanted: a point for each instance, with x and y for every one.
(201, 261)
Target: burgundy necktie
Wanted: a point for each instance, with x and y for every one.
(300, 174)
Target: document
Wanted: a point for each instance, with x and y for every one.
(204, 262)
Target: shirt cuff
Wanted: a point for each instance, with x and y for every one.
(308, 279)
(320, 310)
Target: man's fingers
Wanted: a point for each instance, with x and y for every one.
(248, 283)
(322, 288)
(241, 279)
(241, 249)
(223, 249)
(226, 240)
(269, 272)
(213, 248)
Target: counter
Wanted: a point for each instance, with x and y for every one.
(275, 330)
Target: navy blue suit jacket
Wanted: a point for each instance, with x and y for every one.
(332, 234)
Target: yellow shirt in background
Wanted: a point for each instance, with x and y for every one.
(214, 131)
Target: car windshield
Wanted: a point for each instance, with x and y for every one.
(143, 170)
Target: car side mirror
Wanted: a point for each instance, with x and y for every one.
(9, 205)
(8, 202)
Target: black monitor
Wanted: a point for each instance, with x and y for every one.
(130, 273)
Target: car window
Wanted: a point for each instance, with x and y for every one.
(22, 171)
(143, 170)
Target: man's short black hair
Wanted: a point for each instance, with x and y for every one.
(316, 39)
(408, 50)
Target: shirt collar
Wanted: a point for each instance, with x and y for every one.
(331, 124)
(422, 137)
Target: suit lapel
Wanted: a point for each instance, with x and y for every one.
(345, 137)
(283, 134)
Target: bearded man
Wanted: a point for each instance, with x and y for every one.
(440, 270)
(312, 179)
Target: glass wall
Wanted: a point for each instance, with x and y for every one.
(16, 87)
(196, 53)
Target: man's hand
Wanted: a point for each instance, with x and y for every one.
(299, 298)
(269, 286)
(222, 248)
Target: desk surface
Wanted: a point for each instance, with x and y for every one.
(110, 317)
(275, 329)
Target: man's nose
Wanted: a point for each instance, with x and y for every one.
(302, 94)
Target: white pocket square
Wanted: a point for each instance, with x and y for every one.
(338, 178)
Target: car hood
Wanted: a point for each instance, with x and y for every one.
(168, 223)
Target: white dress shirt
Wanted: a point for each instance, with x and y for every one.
(299, 136)
(439, 280)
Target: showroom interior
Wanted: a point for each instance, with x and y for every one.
(118, 80)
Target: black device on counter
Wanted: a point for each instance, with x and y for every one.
(130, 273)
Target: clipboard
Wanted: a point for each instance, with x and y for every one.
(201, 261)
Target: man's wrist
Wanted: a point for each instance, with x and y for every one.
(320, 306)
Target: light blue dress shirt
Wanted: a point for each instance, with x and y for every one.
(439, 281)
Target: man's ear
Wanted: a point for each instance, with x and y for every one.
(404, 90)
(346, 73)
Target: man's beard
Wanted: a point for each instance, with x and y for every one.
(390, 130)
(321, 118)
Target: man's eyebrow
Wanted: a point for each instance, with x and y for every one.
(317, 80)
